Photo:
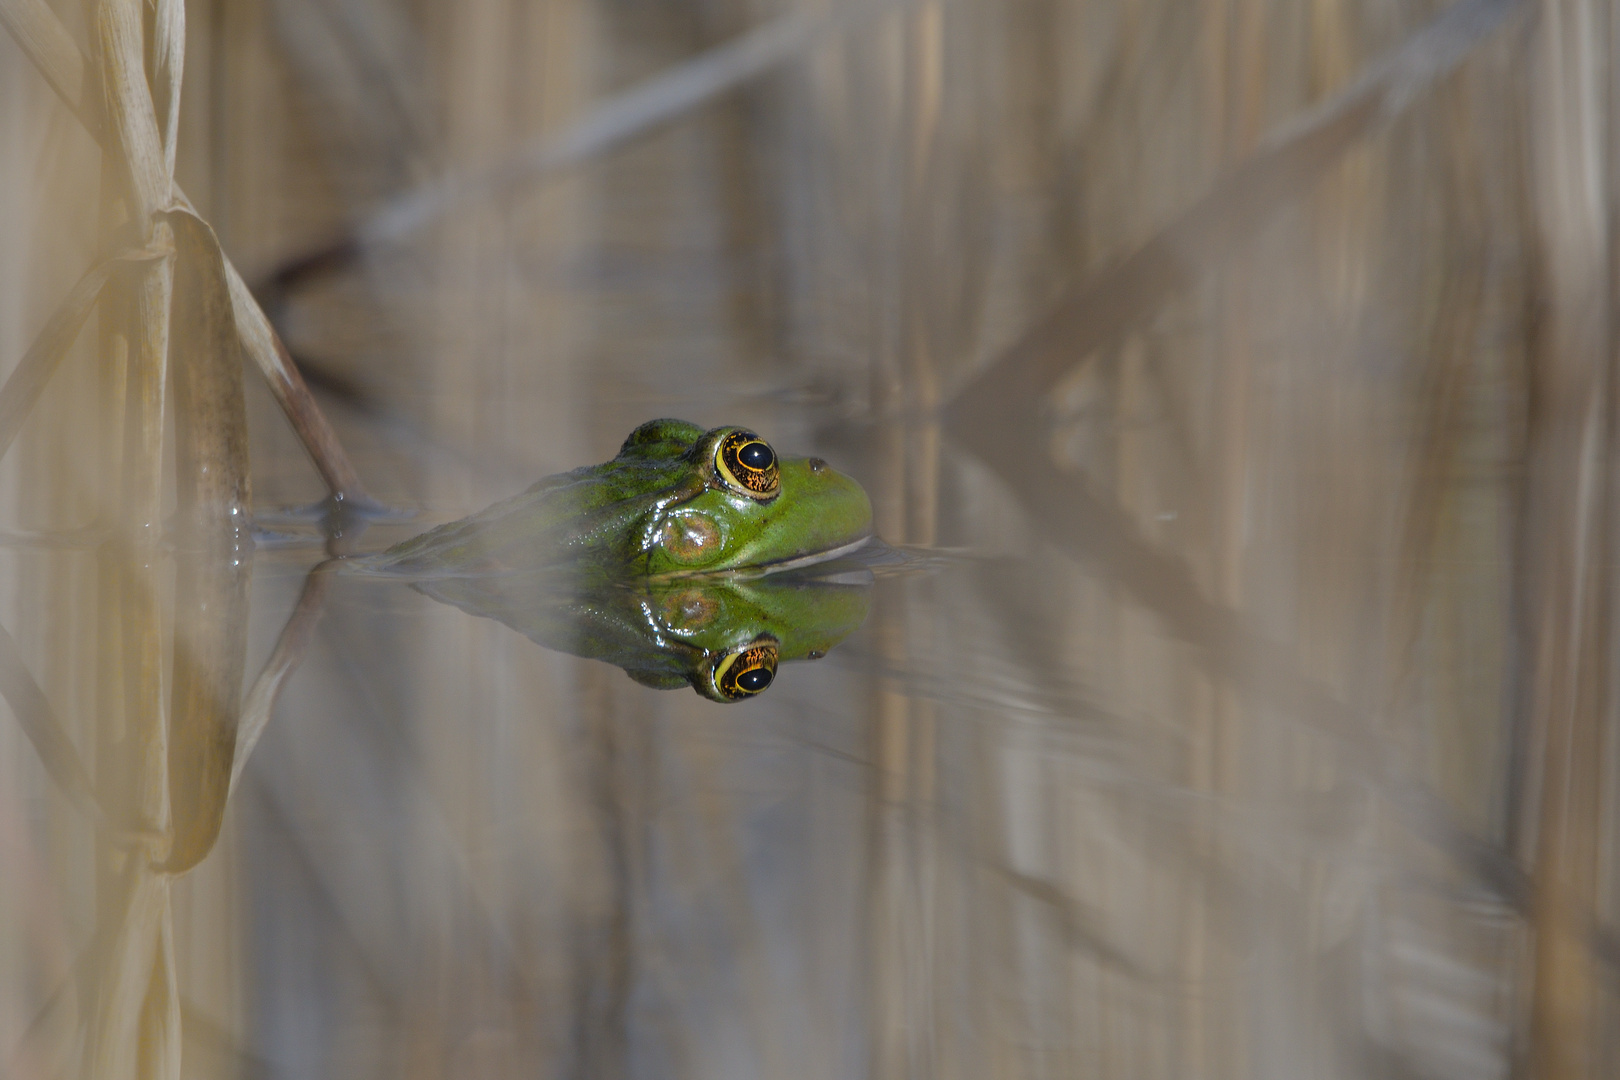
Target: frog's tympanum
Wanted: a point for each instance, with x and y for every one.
(663, 560)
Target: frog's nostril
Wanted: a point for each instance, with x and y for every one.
(817, 465)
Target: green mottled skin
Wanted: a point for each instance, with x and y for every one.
(612, 521)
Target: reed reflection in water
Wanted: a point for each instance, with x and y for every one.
(1231, 381)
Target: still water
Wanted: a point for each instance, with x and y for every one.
(1229, 691)
(515, 856)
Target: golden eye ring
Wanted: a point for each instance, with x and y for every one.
(746, 671)
(747, 465)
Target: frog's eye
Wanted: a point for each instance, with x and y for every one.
(746, 671)
(747, 464)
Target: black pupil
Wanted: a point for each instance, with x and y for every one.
(756, 455)
(756, 679)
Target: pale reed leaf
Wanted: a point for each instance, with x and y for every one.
(125, 971)
(169, 55)
(48, 44)
(128, 100)
(214, 498)
(1286, 165)
(262, 343)
(643, 108)
(38, 721)
(29, 378)
(284, 659)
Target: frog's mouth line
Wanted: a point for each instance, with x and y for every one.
(764, 569)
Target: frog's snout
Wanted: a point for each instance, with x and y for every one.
(825, 509)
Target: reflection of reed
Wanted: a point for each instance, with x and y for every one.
(1567, 547)
(1266, 733)
(165, 740)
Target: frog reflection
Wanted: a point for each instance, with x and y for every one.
(685, 560)
(723, 635)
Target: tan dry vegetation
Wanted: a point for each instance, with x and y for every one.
(1245, 365)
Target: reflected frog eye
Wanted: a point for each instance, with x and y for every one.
(746, 671)
(747, 464)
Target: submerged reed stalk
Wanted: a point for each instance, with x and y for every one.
(174, 316)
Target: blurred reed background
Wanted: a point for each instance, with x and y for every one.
(1242, 369)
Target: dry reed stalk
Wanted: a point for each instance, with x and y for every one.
(995, 416)
(129, 1016)
(168, 64)
(264, 345)
(134, 134)
(160, 1045)
(289, 650)
(28, 379)
(1568, 521)
(1288, 163)
(902, 830)
(1213, 1026)
(625, 116)
(51, 48)
(137, 146)
(122, 1021)
(46, 42)
(169, 786)
(215, 504)
(38, 721)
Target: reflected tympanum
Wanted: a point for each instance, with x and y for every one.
(723, 635)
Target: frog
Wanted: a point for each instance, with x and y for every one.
(724, 635)
(682, 560)
(677, 500)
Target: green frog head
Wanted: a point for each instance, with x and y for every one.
(675, 501)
